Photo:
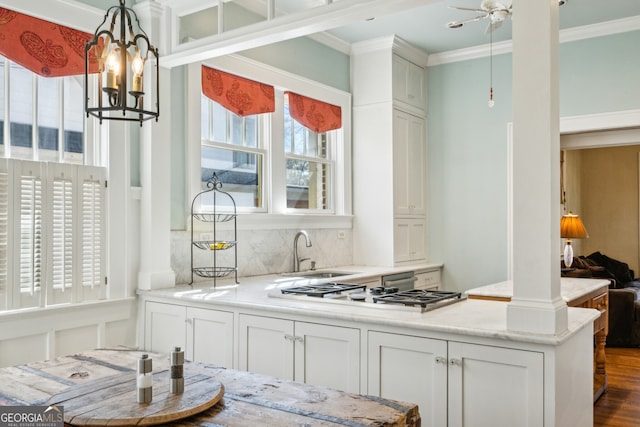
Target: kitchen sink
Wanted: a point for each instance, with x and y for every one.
(321, 274)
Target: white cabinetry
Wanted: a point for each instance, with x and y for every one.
(408, 83)
(409, 239)
(404, 368)
(430, 279)
(480, 376)
(307, 352)
(408, 164)
(458, 384)
(390, 144)
(205, 335)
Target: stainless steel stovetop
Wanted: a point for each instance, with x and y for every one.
(413, 300)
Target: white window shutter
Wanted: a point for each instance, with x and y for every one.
(61, 250)
(52, 233)
(91, 185)
(30, 226)
(5, 291)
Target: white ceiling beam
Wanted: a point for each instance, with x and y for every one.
(285, 27)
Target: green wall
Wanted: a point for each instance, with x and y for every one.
(306, 58)
(467, 146)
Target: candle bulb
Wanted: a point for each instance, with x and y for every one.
(112, 70)
(137, 67)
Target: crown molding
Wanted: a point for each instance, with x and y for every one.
(392, 43)
(569, 35)
(332, 42)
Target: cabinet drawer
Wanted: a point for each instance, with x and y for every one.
(600, 303)
(429, 280)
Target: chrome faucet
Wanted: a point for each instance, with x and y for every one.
(297, 260)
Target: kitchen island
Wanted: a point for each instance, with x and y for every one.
(590, 293)
(458, 362)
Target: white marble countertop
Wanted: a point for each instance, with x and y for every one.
(469, 317)
(570, 288)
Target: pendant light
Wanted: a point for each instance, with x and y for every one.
(128, 75)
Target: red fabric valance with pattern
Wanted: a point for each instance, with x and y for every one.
(242, 96)
(313, 114)
(48, 49)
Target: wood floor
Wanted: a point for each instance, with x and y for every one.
(620, 405)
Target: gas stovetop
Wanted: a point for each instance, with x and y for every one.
(416, 300)
(420, 297)
(324, 289)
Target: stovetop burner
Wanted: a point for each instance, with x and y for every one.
(419, 297)
(382, 290)
(323, 289)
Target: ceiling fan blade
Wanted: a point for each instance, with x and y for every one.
(468, 9)
(458, 24)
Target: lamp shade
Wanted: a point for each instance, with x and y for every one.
(571, 227)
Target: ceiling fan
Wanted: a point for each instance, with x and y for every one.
(496, 11)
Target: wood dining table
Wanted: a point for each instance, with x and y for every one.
(99, 388)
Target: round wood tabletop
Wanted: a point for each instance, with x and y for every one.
(112, 400)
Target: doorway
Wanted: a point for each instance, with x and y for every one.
(599, 130)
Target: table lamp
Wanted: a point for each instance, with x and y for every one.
(571, 227)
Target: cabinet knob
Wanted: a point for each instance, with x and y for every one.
(298, 339)
(441, 359)
(455, 362)
(289, 337)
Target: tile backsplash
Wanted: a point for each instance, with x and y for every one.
(264, 251)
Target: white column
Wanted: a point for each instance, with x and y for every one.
(155, 154)
(536, 305)
(119, 227)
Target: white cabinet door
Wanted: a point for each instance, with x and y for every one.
(209, 337)
(164, 327)
(204, 335)
(265, 346)
(327, 356)
(409, 239)
(416, 169)
(416, 86)
(410, 369)
(492, 386)
(408, 164)
(306, 352)
(408, 83)
(428, 280)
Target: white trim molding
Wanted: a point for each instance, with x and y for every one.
(569, 35)
(600, 121)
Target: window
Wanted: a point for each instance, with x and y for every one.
(52, 222)
(57, 224)
(287, 169)
(232, 149)
(53, 106)
(308, 165)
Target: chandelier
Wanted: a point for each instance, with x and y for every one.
(127, 66)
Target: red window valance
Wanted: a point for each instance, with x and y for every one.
(45, 48)
(242, 96)
(313, 114)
